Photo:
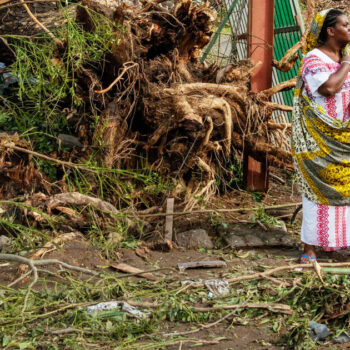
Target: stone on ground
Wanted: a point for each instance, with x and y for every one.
(194, 239)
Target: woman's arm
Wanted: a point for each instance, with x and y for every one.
(336, 80)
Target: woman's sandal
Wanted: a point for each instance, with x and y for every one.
(306, 257)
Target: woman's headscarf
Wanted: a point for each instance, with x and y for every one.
(320, 143)
(311, 43)
(315, 31)
(312, 39)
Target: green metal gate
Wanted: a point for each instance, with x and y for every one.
(287, 33)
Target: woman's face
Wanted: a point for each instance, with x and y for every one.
(341, 31)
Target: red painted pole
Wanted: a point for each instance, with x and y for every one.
(260, 48)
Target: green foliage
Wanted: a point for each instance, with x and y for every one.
(257, 196)
(236, 169)
(265, 218)
(60, 304)
(47, 78)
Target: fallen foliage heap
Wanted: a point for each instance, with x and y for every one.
(146, 100)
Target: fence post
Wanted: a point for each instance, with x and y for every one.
(260, 48)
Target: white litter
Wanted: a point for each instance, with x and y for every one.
(120, 306)
(218, 287)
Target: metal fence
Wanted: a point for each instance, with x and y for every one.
(229, 43)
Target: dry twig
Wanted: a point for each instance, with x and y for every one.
(51, 35)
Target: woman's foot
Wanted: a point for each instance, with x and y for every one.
(309, 254)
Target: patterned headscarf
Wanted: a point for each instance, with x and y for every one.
(315, 31)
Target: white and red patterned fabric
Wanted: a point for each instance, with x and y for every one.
(323, 225)
(316, 70)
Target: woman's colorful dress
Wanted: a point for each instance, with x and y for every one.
(325, 225)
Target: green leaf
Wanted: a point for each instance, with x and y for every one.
(109, 325)
(243, 256)
(5, 340)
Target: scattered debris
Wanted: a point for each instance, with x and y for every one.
(199, 264)
(6, 78)
(343, 338)
(218, 287)
(143, 252)
(69, 141)
(161, 104)
(192, 283)
(135, 271)
(120, 306)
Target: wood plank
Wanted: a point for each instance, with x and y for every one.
(196, 264)
(169, 221)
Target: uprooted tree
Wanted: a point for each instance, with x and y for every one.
(187, 116)
(156, 103)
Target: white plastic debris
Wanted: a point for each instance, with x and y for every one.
(121, 306)
(219, 287)
(6, 78)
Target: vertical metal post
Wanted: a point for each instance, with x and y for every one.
(260, 48)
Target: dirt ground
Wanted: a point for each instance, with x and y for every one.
(255, 335)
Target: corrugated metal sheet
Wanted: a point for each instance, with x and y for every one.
(287, 33)
(239, 21)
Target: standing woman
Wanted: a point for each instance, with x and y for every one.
(321, 135)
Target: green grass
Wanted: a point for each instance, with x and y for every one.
(61, 303)
(48, 82)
